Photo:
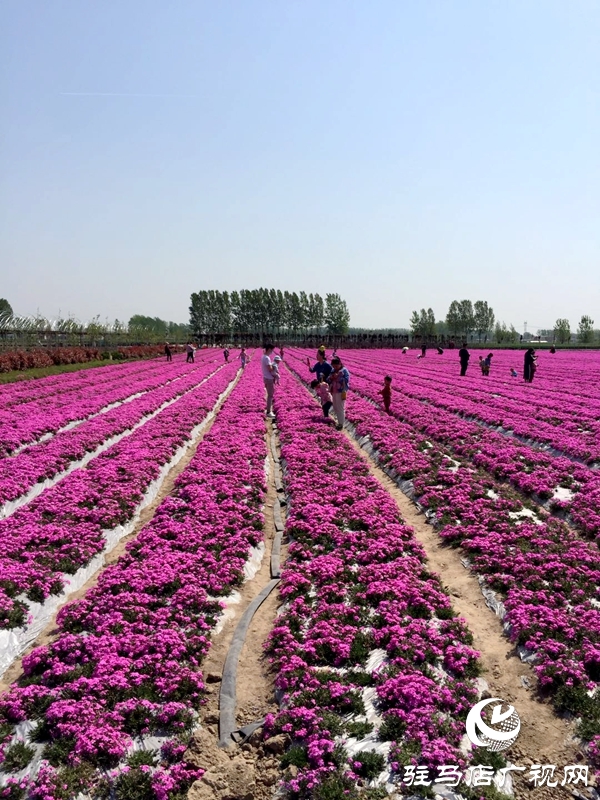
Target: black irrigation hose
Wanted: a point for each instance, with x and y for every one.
(227, 697)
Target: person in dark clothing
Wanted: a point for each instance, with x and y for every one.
(423, 350)
(168, 352)
(529, 368)
(440, 351)
(189, 349)
(386, 392)
(226, 355)
(464, 356)
(322, 367)
(553, 350)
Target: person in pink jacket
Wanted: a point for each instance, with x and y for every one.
(321, 388)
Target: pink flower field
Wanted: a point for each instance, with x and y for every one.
(370, 669)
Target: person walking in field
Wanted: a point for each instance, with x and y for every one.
(281, 352)
(386, 393)
(322, 367)
(464, 357)
(189, 349)
(168, 352)
(243, 357)
(529, 365)
(226, 355)
(321, 388)
(423, 350)
(339, 381)
(268, 377)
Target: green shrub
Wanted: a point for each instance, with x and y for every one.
(296, 756)
(359, 729)
(392, 728)
(17, 756)
(140, 757)
(371, 764)
(134, 785)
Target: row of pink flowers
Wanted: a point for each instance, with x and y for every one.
(538, 474)
(47, 415)
(355, 583)
(62, 529)
(126, 664)
(26, 391)
(547, 576)
(554, 416)
(47, 459)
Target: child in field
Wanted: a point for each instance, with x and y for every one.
(513, 372)
(276, 378)
(386, 393)
(321, 388)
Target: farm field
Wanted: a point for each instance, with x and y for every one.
(417, 562)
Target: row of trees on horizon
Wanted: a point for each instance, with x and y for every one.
(465, 319)
(262, 311)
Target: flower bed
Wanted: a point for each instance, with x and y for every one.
(109, 703)
(562, 422)
(63, 529)
(556, 482)
(46, 416)
(548, 577)
(33, 467)
(31, 358)
(357, 593)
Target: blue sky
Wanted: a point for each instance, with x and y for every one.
(402, 153)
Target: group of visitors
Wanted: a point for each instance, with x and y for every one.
(331, 384)
(486, 363)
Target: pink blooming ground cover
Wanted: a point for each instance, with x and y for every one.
(563, 485)
(29, 421)
(126, 665)
(63, 529)
(546, 575)
(45, 460)
(26, 391)
(559, 410)
(355, 586)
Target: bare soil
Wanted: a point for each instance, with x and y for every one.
(249, 771)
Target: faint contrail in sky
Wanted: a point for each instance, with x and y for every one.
(121, 94)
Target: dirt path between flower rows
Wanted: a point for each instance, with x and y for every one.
(545, 738)
(249, 771)
(50, 633)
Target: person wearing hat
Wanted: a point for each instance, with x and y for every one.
(276, 377)
(339, 382)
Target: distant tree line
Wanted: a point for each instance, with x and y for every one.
(463, 319)
(466, 319)
(262, 312)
